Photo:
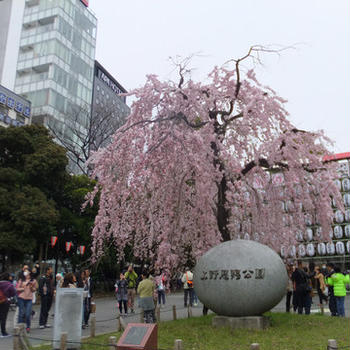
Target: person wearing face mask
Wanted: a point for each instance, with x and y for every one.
(25, 288)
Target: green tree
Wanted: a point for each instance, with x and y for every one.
(75, 224)
(32, 179)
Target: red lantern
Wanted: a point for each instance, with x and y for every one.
(82, 249)
(53, 240)
(68, 246)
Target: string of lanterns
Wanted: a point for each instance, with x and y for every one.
(68, 245)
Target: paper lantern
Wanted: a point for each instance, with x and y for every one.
(68, 246)
(53, 240)
(310, 249)
(321, 249)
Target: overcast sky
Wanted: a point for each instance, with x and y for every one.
(137, 37)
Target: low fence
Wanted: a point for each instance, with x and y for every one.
(21, 340)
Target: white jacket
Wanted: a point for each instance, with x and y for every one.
(188, 275)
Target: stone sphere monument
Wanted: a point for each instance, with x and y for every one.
(240, 278)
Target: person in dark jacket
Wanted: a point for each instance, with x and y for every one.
(331, 297)
(122, 294)
(46, 291)
(7, 290)
(300, 280)
(88, 287)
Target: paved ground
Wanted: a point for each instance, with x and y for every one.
(106, 312)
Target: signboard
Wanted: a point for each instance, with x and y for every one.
(338, 156)
(68, 316)
(139, 336)
(102, 76)
(12, 103)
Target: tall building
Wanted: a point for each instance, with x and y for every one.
(11, 15)
(109, 110)
(55, 64)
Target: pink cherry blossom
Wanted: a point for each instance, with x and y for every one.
(196, 164)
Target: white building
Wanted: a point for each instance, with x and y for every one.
(55, 41)
(11, 15)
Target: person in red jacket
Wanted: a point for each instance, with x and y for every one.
(7, 290)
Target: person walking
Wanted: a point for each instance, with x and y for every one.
(160, 285)
(7, 291)
(320, 285)
(69, 281)
(289, 288)
(338, 281)
(26, 286)
(187, 280)
(121, 287)
(331, 298)
(59, 280)
(300, 286)
(145, 290)
(309, 291)
(88, 287)
(46, 291)
(131, 278)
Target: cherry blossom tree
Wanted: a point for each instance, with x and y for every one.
(199, 163)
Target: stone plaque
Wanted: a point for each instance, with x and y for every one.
(68, 316)
(139, 336)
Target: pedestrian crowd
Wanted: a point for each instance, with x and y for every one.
(22, 292)
(151, 291)
(327, 280)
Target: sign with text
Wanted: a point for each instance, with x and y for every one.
(139, 336)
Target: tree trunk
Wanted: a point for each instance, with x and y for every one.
(222, 212)
(41, 253)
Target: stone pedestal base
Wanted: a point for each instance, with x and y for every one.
(248, 322)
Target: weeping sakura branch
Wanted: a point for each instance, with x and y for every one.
(196, 163)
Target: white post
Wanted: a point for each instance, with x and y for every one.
(178, 344)
(332, 344)
(112, 343)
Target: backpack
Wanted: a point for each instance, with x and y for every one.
(3, 297)
(189, 282)
(305, 286)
